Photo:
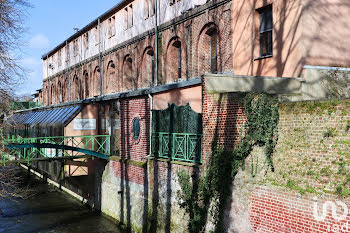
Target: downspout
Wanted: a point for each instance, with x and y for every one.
(47, 79)
(67, 70)
(156, 40)
(150, 128)
(99, 54)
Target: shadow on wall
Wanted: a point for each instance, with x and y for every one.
(307, 33)
(149, 202)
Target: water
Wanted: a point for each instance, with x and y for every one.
(51, 210)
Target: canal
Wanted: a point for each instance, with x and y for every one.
(50, 210)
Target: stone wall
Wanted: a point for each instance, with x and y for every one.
(311, 166)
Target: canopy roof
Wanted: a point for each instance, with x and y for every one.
(48, 117)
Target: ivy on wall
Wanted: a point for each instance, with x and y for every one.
(205, 195)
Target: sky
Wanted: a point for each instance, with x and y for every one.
(49, 23)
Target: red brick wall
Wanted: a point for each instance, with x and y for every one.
(129, 172)
(274, 210)
(223, 118)
(312, 155)
(130, 148)
(130, 108)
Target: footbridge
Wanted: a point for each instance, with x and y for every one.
(25, 150)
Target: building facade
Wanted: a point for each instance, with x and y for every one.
(166, 76)
(193, 38)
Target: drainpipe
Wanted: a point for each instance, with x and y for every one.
(156, 40)
(99, 55)
(150, 128)
(67, 70)
(47, 79)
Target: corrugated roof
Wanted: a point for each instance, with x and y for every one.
(51, 117)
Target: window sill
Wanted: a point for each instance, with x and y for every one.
(263, 57)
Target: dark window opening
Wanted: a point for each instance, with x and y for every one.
(86, 79)
(53, 94)
(150, 66)
(213, 34)
(60, 100)
(130, 81)
(136, 128)
(177, 44)
(265, 30)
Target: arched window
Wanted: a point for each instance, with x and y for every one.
(213, 37)
(130, 82)
(148, 68)
(76, 89)
(208, 50)
(177, 45)
(174, 60)
(64, 90)
(97, 81)
(111, 78)
(86, 82)
(59, 92)
(53, 100)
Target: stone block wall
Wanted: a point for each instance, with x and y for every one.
(309, 188)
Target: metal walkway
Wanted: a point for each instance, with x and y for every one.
(25, 150)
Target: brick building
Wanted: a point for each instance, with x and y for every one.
(193, 38)
(176, 92)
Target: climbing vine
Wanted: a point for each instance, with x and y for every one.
(207, 193)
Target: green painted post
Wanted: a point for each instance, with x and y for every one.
(186, 151)
(93, 144)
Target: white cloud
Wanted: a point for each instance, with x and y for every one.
(39, 41)
(31, 61)
(34, 75)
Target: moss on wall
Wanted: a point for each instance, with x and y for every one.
(313, 151)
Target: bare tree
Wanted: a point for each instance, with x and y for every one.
(12, 16)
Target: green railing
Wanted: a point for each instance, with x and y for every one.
(62, 146)
(177, 146)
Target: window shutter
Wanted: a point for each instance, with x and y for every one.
(109, 33)
(152, 8)
(126, 18)
(113, 26)
(145, 9)
(130, 18)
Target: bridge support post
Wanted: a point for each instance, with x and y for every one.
(61, 175)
